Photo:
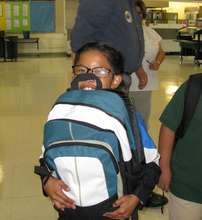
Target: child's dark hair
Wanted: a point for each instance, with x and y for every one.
(113, 56)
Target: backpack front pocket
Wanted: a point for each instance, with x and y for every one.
(89, 168)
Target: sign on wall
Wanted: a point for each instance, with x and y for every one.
(2, 17)
(30, 15)
(17, 16)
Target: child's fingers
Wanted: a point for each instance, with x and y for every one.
(68, 202)
(119, 201)
(54, 188)
(63, 201)
(64, 186)
(58, 205)
(117, 214)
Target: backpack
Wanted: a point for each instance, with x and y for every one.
(91, 144)
(192, 95)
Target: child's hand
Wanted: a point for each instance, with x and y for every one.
(165, 179)
(126, 205)
(54, 189)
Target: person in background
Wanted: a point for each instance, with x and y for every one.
(140, 93)
(181, 160)
(116, 24)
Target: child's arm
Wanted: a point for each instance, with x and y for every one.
(145, 175)
(150, 171)
(166, 142)
(125, 207)
(54, 188)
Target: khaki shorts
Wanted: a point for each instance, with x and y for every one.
(180, 209)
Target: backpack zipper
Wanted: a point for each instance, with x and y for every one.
(75, 163)
(89, 143)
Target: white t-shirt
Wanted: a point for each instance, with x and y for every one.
(152, 40)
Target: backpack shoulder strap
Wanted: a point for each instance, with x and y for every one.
(192, 95)
(139, 156)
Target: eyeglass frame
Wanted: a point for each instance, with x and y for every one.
(91, 69)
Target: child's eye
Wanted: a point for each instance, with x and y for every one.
(80, 71)
(101, 71)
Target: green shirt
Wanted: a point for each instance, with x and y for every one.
(187, 156)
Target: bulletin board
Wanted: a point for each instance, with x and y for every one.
(2, 16)
(42, 15)
(17, 16)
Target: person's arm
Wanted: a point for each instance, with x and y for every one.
(54, 189)
(150, 169)
(158, 60)
(125, 207)
(145, 174)
(166, 142)
(145, 177)
(147, 180)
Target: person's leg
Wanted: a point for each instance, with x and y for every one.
(180, 209)
(141, 100)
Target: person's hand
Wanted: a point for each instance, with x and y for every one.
(125, 206)
(165, 179)
(142, 77)
(154, 65)
(54, 189)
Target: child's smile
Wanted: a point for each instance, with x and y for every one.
(88, 85)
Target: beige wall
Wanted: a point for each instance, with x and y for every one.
(59, 16)
(156, 3)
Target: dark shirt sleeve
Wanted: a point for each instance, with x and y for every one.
(149, 178)
(141, 176)
(92, 18)
(172, 114)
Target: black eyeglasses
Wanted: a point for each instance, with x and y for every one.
(98, 71)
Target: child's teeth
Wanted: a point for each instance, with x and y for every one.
(88, 88)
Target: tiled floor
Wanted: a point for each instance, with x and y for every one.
(27, 91)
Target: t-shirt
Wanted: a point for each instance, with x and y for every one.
(187, 156)
(151, 40)
(111, 22)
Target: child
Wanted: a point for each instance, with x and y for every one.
(181, 151)
(97, 66)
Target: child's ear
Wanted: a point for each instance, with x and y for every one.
(116, 81)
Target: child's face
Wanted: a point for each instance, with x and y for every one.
(94, 59)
